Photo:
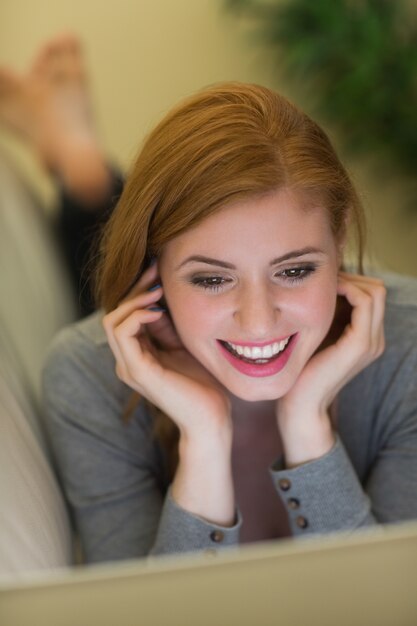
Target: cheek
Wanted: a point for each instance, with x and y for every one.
(193, 317)
(315, 308)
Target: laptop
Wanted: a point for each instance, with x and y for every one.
(368, 578)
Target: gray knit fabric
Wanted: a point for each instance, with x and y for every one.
(114, 474)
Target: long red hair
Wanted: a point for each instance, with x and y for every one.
(226, 142)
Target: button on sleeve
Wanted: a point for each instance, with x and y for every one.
(284, 484)
(323, 495)
(301, 522)
(217, 536)
(293, 503)
(181, 531)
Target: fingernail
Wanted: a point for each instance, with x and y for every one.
(157, 308)
(155, 287)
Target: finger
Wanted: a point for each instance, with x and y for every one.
(142, 301)
(378, 293)
(137, 318)
(135, 360)
(360, 327)
(114, 343)
(164, 333)
(357, 277)
(376, 289)
(146, 280)
(361, 279)
(368, 296)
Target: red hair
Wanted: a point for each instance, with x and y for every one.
(226, 142)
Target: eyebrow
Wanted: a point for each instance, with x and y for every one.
(293, 254)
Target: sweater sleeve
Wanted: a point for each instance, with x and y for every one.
(181, 531)
(112, 471)
(370, 475)
(324, 495)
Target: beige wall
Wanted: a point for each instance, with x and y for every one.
(144, 55)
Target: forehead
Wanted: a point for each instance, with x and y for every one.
(279, 220)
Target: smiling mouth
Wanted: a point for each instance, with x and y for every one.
(258, 355)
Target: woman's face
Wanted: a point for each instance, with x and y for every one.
(252, 291)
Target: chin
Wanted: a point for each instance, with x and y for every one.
(259, 392)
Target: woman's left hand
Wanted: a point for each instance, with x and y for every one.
(303, 413)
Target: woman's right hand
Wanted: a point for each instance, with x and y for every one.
(156, 364)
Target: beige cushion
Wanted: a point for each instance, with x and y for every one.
(35, 298)
(35, 302)
(34, 527)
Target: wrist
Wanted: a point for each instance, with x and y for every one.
(306, 438)
(205, 432)
(201, 448)
(203, 483)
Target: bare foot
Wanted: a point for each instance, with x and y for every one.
(15, 103)
(51, 107)
(68, 140)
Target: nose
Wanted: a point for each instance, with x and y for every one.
(256, 312)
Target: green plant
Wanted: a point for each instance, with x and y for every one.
(355, 61)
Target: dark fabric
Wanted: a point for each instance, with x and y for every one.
(78, 230)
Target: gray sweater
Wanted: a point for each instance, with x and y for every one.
(115, 478)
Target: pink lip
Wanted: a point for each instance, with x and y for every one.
(262, 369)
(260, 344)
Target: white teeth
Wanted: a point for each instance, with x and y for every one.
(283, 343)
(256, 352)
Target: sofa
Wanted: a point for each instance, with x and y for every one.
(36, 300)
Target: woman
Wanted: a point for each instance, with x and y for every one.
(237, 387)
(49, 108)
